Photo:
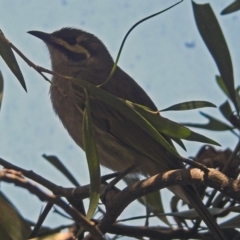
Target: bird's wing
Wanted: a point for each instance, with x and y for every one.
(133, 136)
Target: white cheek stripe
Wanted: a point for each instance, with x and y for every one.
(75, 48)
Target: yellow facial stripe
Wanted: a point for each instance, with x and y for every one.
(73, 48)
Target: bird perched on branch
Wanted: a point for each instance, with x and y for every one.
(120, 142)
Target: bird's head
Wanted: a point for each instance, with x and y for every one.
(74, 49)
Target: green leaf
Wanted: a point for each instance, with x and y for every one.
(213, 124)
(196, 137)
(226, 110)
(179, 142)
(1, 89)
(174, 203)
(238, 96)
(92, 159)
(122, 106)
(127, 34)
(45, 232)
(187, 214)
(233, 7)
(188, 106)
(174, 208)
(154, 205)
(221, 84)
(58, 165)
(12, 225)
(170, 128)
(152, 201)
(8, 56)
(231, 223)
(213, 37)
(192, 214)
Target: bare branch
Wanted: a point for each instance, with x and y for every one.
(116, 203)
(17, 178)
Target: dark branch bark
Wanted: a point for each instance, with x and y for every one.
(116, 201)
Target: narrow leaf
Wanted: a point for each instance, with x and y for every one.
(213, 37)
(231, 223)
(238, 96)
(152, 201)
(127, 34)
(192, 214)
(12, 225)
(92, 159)
(226, 110)
(233, 7)
(213, 124)
(179, 142)
(221, 84)
(58, 165)
(189, 106)
(196, 137)
(46, 230)
(170, 128)
(174, 208)
(154, 204)
(8, 56)
(1, 89)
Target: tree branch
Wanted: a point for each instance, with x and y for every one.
(17, 178)
(117, 201)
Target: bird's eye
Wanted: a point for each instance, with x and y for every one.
(72, 41)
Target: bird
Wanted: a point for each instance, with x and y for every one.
(120, 142)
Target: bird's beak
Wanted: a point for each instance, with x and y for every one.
(46, 37)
